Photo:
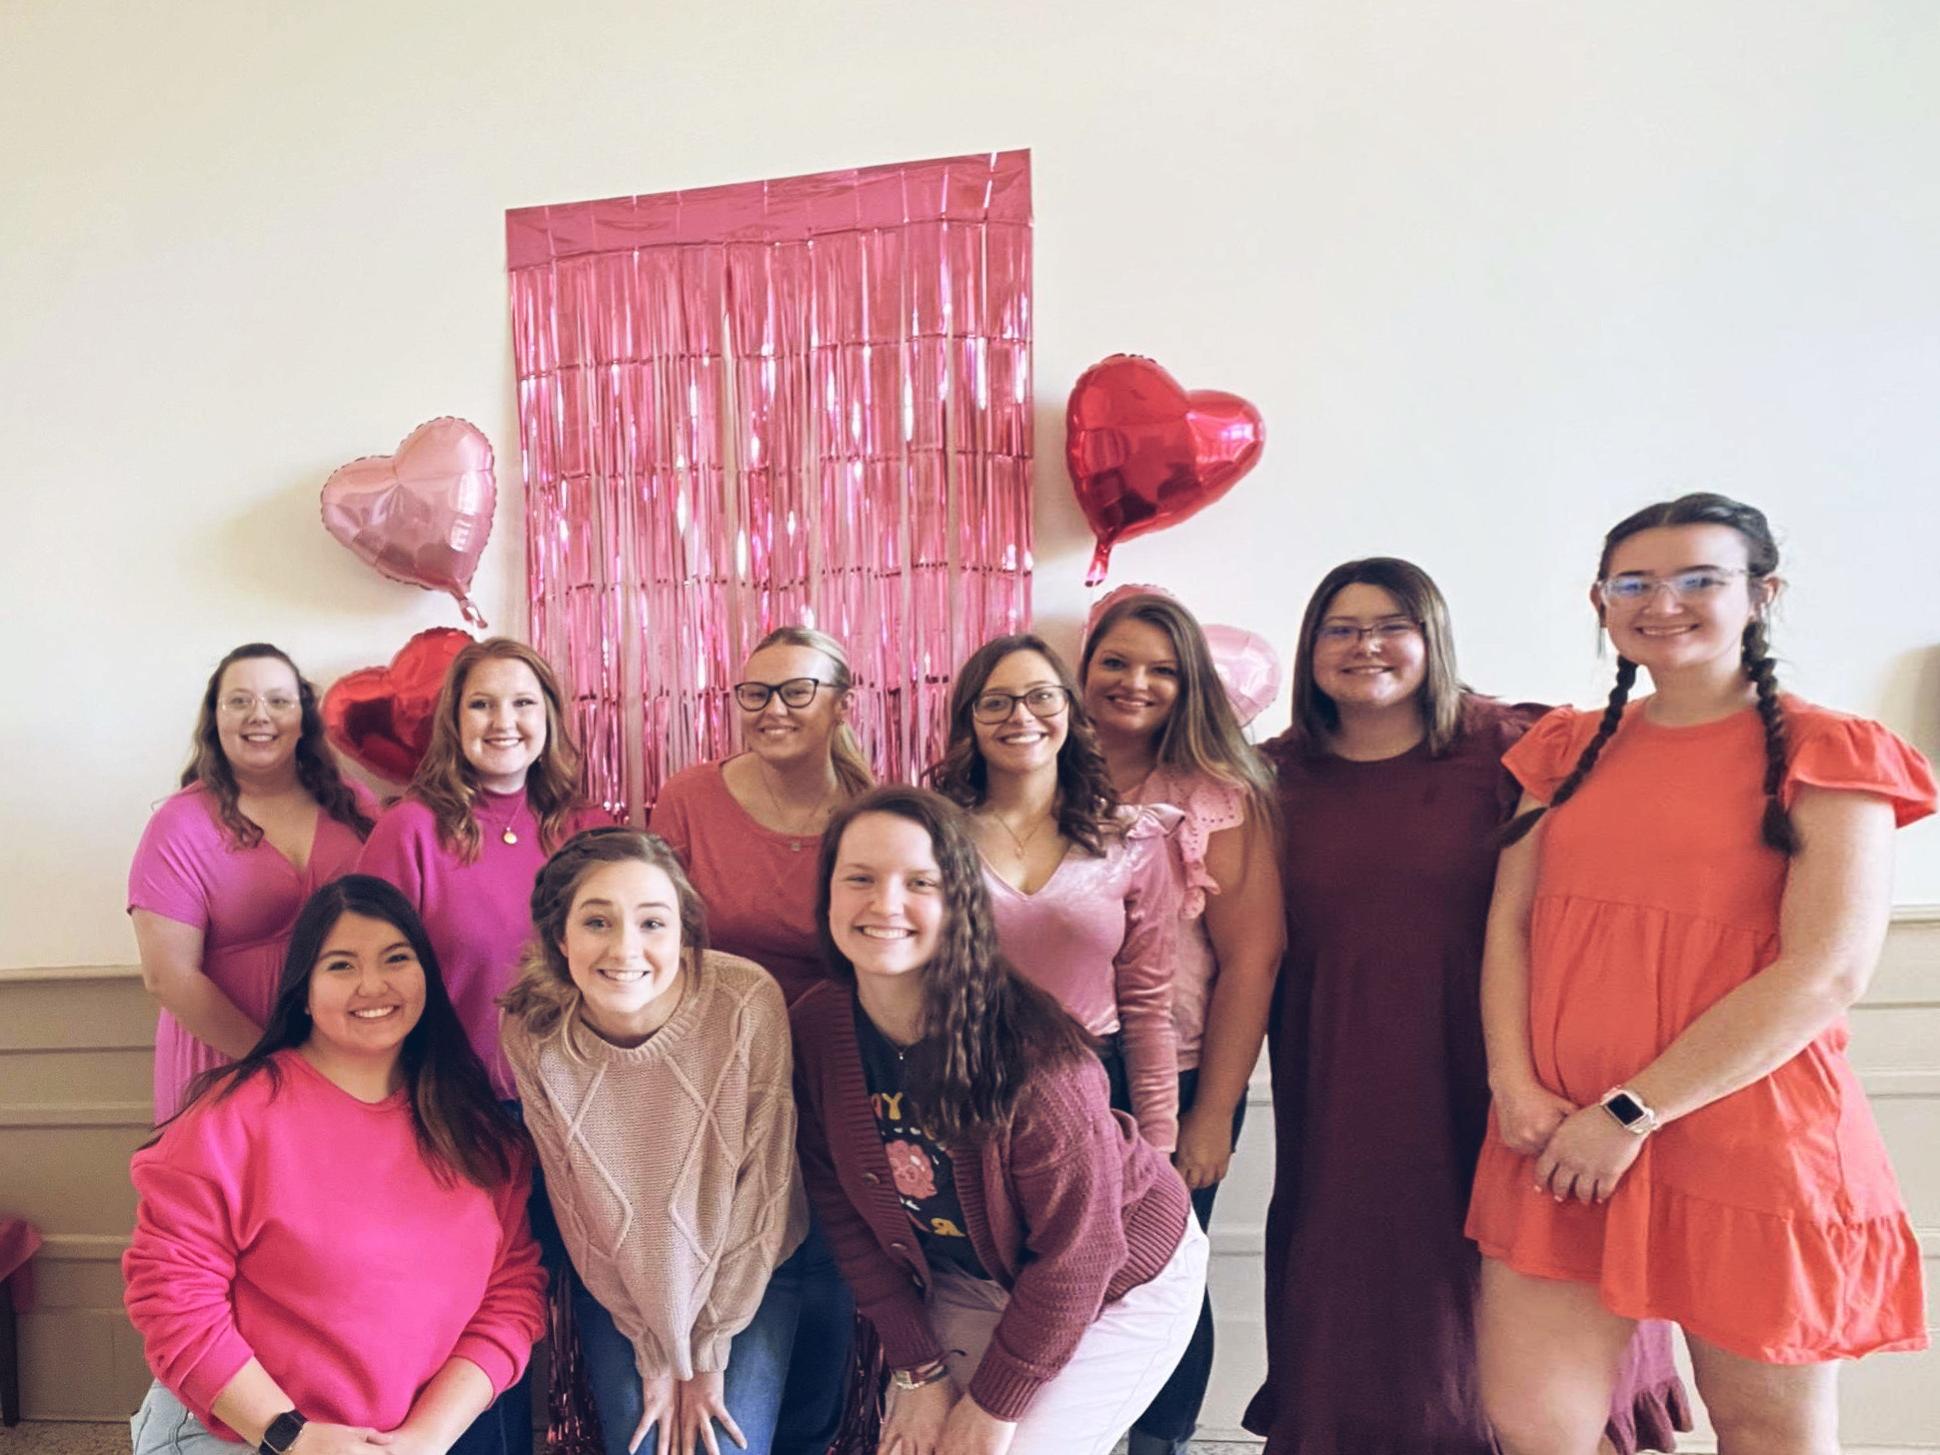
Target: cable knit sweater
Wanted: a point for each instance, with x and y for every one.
(671, 1165)
(1069, 1208)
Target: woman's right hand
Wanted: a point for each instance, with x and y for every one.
(1527, 1113)
(657, 1395)
(916, 1417)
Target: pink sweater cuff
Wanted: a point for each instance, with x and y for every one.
(210, 1374)
(492, 1359)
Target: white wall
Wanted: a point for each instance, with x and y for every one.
(1495, 274)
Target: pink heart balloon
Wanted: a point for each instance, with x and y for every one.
(422, 515)
(1248, 665)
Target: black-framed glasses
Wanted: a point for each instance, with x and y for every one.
(795, 692)
(993, 707)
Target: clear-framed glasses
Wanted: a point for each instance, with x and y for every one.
(1043, 702)
(795, 692)
(1344, 636)
(1633, 588)
(276, 704)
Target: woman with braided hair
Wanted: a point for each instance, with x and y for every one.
(1694, 892)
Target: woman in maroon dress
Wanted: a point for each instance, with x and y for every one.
(1392, 791)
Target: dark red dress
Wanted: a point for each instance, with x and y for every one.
(1380, 1098)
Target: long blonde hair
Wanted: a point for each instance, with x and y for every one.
(851, 765)
(544, 997)
(445, 782)
(1202, 732)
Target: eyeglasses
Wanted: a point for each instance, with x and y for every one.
(1635, 588)
(1043, 702)
(1337, 634)
(276, 704)
(795, 692)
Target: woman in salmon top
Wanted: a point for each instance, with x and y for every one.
(1676, 1131)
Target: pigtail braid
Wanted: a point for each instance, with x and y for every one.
(1520, 826)
(1777, 828)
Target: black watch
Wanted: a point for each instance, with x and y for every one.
(282, 1433)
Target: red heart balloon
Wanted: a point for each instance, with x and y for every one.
(381, 716)
(1145, 454)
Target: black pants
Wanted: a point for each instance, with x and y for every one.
(1174, 1412)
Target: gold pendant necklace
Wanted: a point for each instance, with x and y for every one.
(793, 835)
(505, 833)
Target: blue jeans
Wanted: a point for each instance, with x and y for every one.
(818, 1372)
(757, 1368)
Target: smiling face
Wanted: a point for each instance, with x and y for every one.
(501, 722)
(886, 896)
(1700, 626)
(259, 715)
(622, 946)
(1385, 660)
(366, 988)
(1132, 683)
(783, 736)
(1022, 742)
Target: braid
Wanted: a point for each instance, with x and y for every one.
(1605, 730)
(1777, 829)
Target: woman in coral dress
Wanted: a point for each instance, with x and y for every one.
(1676, 1131)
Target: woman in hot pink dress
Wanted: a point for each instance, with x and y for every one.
(1086, 889)
(262, 819)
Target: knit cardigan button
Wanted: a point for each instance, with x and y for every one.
(871, 1178)
(899, 1247)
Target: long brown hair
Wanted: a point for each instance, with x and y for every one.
(1316, 717)
(1087, 804)
(544, 996)
(851, 764)
(461, 1129)
(1202, 733)
(446, 782)
(1755, 657)
(985, 1029)
(316, 769)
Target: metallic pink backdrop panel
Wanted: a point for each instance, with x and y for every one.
(801, 400)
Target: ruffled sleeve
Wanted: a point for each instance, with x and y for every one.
(1856, 755)
(1543, 756)
(1208, 805)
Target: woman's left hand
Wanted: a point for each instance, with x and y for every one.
(698, 1403)
(971, 1431)
(1205, 1148)
(1586, 1157)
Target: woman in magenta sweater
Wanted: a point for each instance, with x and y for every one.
(330, 1251)
(1028, 1260)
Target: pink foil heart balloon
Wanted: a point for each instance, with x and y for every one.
(1145, 454)
(422, 515)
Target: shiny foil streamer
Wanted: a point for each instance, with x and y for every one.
(796, 401)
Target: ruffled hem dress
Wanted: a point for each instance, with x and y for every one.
(1768, 1223)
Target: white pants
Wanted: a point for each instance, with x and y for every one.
(1122, 1361)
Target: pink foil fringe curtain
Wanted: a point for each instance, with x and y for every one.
(795, 401)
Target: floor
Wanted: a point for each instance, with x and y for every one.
(31, 1438)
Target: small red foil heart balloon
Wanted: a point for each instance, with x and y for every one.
(1144, 454)
(422, 515)
(381, 716)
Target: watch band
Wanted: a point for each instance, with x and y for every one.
(282, 1433)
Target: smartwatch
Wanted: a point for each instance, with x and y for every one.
(1630, 1111)
(282, 1433)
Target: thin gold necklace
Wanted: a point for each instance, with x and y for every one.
(1022, 853)
(505, 829)
(794, 836)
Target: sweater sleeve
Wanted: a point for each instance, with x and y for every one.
(511, 1316)
(765, 1187)
(394, 850)
(1143, 973)
(1066, 1171)
(883, 1292)
(181, 1261)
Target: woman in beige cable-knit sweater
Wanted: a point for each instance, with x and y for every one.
(655, 1075)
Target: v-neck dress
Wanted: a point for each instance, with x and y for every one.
(1102, 935)
(244, 900)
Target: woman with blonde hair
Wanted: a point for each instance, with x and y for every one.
(654, 1073)
(1169, 735)
(748, 828)
(263, 818)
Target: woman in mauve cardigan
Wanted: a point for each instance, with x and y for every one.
(1027, 1260)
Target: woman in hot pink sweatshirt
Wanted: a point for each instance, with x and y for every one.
(330, 1252)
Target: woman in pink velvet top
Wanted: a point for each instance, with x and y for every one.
(497, 792)
(1086, 890)
(263, 818)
